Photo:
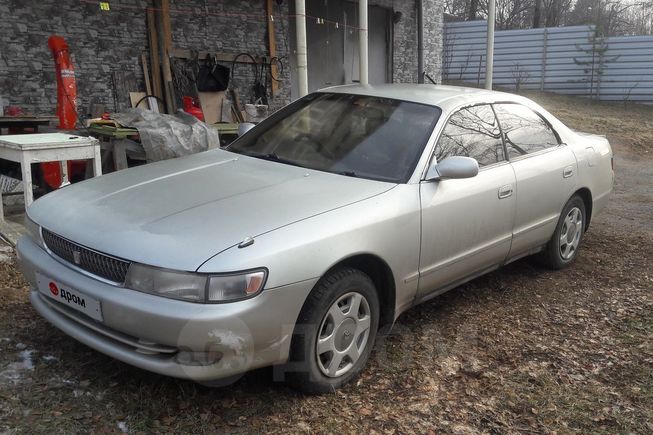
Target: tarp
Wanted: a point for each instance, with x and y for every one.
(168, 136)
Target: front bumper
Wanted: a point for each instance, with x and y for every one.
(174, 338)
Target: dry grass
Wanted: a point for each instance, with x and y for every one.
(521, 350)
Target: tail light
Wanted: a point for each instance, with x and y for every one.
(612, 162)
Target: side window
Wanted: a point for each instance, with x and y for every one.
(526, 132)
(472, 132)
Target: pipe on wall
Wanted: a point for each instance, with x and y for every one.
(362, 41)
(302, 67)
(420, 41)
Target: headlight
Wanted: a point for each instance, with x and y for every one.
(195, 287)
(34, 231)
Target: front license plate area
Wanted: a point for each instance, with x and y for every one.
(70, 297)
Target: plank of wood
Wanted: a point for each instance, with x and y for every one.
(212, 106)
(165, 40)
(146, 73)
(139, 98)
(272, 47)
(237, 107)
(167, 32)
(155, 62)
(152, 103)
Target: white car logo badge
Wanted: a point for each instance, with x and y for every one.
(77, 257)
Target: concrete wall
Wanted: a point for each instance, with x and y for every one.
(102, 42)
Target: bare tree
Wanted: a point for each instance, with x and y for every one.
(473, 9)
(611, 17)
(520, 76)
(457, 8)
(510, 14)
(537, 14)
(447, 53)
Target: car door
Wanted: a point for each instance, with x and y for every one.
(545, 171)
(466, 223)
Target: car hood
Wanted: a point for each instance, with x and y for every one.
(179, 213)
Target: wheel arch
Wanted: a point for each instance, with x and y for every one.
(381, 274)
(586, 195)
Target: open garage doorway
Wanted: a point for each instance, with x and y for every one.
(333, 57)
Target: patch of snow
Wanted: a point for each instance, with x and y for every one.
(50, 358)
(20, 346)
(14, 371)
(6, 253)
(123, 427)
(26, 357)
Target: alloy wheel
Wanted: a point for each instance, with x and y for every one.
(343, 334)
(572, 229)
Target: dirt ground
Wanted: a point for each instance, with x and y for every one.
(523, 349)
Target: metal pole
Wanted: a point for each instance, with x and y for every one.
(362, 40)
(302, 68)
(420, 41)
(489, 56)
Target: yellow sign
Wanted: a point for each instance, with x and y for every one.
(104, 6)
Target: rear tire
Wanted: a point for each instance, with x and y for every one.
(335, 332)
(563, 247)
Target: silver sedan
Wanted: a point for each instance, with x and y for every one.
(317, 228)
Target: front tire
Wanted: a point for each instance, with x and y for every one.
(563, 247)
(335, 332)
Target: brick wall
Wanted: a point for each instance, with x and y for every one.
(102, 42)
(433, 38)
(234, 26)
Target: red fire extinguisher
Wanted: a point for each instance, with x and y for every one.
(66, 109)
(66, 86)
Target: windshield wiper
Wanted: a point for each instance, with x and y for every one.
(348, 173)
(273, 157)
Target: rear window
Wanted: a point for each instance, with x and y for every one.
(525, 131)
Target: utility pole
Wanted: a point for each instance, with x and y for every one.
(420, 41)
(489, 55)
(362, 40)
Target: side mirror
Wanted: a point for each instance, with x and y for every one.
(244, 128)
(453, 167)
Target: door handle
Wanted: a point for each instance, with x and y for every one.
(568, 172)
(505, 191)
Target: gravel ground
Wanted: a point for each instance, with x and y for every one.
(522, 349)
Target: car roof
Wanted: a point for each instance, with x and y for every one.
(438, 95)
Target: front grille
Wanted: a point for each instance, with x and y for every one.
(96, 263)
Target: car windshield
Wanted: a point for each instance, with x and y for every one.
(353, 135)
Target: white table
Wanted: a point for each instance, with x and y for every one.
(48, 147)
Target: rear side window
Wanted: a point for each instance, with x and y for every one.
(472, 132)
(526, 131)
